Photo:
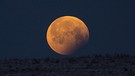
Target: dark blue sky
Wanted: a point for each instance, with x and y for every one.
(23, 26)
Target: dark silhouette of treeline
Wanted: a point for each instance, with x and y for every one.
(97, 65)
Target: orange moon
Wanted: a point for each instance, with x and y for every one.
(66, 34)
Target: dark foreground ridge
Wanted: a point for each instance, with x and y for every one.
(120, 65)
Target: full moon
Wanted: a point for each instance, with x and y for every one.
(66, 34)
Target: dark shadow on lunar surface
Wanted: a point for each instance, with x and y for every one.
(79, 37)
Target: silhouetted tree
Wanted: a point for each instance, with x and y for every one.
(93, 61)
(47, 59)
(125, 69)
(35, 61)
(72, 60)
(98, 56)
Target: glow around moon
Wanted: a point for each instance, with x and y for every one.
(66, 34)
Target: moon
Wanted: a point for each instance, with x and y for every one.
(66, 34)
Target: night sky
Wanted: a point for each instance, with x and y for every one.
(23, 26)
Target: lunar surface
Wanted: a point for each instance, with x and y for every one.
(66, 34)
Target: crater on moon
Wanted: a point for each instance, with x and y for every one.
(66, 34)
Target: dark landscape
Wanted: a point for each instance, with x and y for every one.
(97, 65)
